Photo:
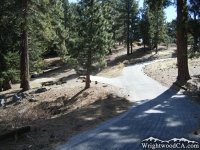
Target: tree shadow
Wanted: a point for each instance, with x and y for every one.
(169, 115)
(57, 120)
(189, 88)
(137, 53)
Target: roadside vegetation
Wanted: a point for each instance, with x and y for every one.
(50, 48)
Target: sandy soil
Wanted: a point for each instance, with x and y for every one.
(166, 73)
(59, 113)
(67, 109)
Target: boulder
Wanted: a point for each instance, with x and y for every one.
(16, 98)
(41, 90)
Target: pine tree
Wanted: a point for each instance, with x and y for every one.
(118, 19)
(94, 39)
(31, 28)
(129, 10)
(194, 23)
(182, 59)
(158, 30)
(144, 26)
(10, 43)
(24, 58)
(134, 30)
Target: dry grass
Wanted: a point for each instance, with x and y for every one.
(60, 113)
(118, 60)
(113, 71)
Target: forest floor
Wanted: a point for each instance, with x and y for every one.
(166, 72)
(67, 109)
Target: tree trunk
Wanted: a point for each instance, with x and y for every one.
(131, 47)
(24, 62)
(87, 82)
(6, 85)
(128, 42)
(182, 57)
(128, 39)
(144, 47)
(156, 45)
(195, 46)
(110, 51)
(0, 88)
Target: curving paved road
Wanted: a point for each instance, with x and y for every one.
(157, 112)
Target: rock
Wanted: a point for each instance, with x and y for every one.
(64, 79)
(23, 95)
(16, 98)
(32, 92)
(48, 83)
(195, 133)
(34, 75)
(63, 82)
(3, 102)
(125, 62)
(41, 90)
(58, 83)
(81, 72)
(81, 77)
(32, 100)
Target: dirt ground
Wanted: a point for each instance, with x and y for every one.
(62, 111)
(67, 109)
(166, 73)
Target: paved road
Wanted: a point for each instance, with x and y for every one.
(157, 112)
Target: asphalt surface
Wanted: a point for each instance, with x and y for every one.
(157, 112)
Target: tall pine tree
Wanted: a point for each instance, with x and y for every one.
(94, 38)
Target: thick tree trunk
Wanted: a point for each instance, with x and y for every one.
(24, 62)
(6, 85)
(182, 57)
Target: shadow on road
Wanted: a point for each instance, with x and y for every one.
(170, 115)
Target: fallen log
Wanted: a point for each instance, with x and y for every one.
(15, 133)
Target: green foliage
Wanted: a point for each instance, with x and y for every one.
(155, 17)
(46, 29)
(171, 27)
(92, 38)
(144, 26)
